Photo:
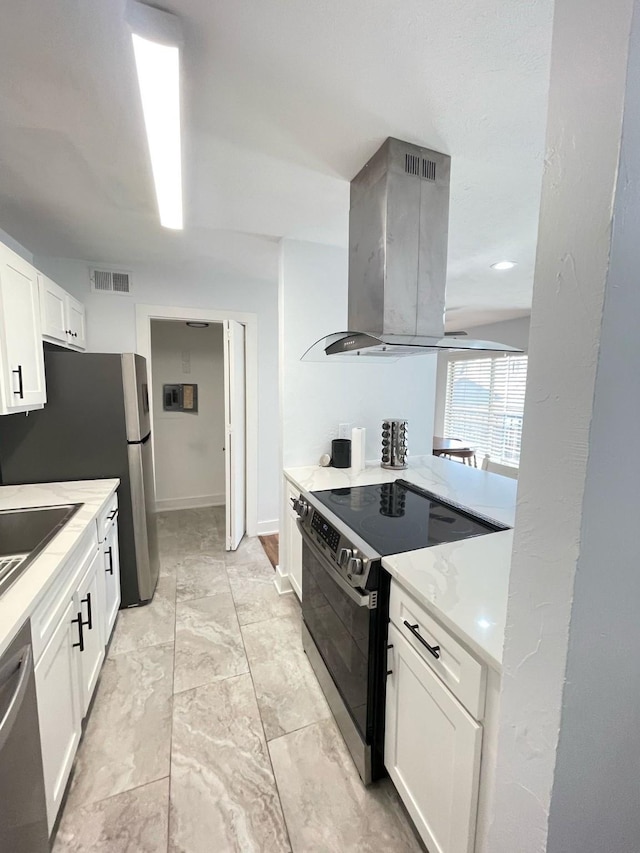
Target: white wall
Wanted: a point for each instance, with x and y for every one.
(315, 397)
(513, 333)
(569, 748)
(189, 446)
(112, 328)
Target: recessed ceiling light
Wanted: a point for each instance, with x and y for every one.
(156, 47)
(504, 265)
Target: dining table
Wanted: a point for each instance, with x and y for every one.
(450, 447)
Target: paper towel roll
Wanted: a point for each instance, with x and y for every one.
(358, 440)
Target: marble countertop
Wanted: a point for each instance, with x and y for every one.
(19, 601)
(464, 585)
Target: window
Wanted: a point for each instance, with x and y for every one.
(485, 404)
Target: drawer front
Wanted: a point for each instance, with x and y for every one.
(456, 667)
(106, 517)
(50, 610)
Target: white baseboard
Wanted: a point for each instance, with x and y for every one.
(164, 504)
(268, 528)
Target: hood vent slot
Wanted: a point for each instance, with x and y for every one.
(428, 170)
(111, 281)
(412, 164)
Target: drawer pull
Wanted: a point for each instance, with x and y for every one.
(87, 601)
(80, 643)
(112, 515)
(435, 650)
(20, 391)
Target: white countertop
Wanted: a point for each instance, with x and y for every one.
(463, 584)
(18, 602)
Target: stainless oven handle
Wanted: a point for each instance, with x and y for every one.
(368, 600)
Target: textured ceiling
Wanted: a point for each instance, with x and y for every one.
(283, 103)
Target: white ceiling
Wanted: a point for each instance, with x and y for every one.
(283, 103)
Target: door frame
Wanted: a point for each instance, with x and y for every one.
(146, 313)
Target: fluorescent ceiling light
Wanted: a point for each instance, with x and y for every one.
(504, 265)
(156, 47)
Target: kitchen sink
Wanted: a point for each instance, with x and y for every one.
(24, 533)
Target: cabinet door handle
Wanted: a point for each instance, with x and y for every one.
(20, 391)
(109, 551)
(435, 650)
(80, 643)
(87, 601)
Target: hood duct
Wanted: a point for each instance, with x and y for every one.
(398, 232)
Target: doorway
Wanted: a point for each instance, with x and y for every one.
(203, 420)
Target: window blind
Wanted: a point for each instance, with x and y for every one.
(485, 403)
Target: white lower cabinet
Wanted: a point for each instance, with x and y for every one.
(70, 627)
(432, 750)
(111, 558)
(291, 546)
(89, 600)
(60, 714)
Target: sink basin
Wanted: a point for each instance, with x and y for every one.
(24, 533)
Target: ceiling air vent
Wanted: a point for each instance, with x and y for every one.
(428, 170)
(111, 281)
(412, 164)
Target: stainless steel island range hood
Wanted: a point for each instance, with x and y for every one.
(398, 227)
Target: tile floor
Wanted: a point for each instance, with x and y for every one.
(209, 732)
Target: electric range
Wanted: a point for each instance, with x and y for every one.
(345, 592)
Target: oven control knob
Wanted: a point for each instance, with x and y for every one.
(301, 507)
(344, 555)
(355, 566)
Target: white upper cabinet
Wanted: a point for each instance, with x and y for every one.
(22, 385)
(63, 317)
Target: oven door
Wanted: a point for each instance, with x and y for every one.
(340, 620)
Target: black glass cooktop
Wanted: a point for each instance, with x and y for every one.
(397, 517)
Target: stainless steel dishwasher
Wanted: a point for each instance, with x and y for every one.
(23, 811)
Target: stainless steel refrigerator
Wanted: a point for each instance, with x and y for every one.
(96, 423)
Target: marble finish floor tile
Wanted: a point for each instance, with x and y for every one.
(135, 821)
(223, 794)
(208, 642)
(326, 806)
(128, 735)
(250, 550)
(149, 625)
(255, 595)
(200, 575)
(288, 693)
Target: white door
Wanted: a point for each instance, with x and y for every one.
(235, 444)
(112, 578)
(20, 334)
(76, 317)
(431, 751)
(59, 711)
(90, 605)
(53, 301)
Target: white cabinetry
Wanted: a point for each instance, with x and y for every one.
(108, 536)
(89, 599)
(69, 632)
(62, 316)
(291, 544)
(22, 386)
(59, 708)
(432, 743)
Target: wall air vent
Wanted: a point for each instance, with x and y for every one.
(412, 164)
(428, 170)
(111, 281)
